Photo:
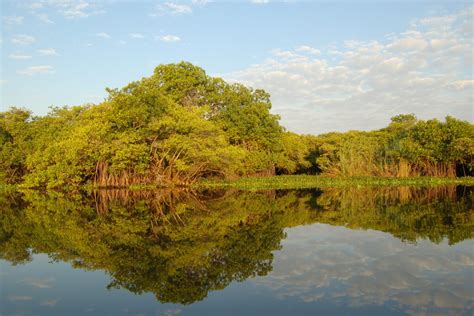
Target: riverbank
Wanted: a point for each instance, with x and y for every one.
(286, 182)
(308, 181)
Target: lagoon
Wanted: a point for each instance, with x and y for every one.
(331, 251)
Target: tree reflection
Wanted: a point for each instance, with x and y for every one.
(180, 245)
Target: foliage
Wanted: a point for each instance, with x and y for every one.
(170, 128)
(407, 147)
(180, 125)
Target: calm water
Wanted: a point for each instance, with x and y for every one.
(388, 251)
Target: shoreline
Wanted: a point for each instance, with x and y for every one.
(277, 182)
(310, 181)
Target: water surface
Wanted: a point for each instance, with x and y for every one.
(353, 251)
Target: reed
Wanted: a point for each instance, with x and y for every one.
(307, 181)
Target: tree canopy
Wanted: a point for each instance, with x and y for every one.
(180, 124)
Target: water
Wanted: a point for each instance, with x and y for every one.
(367, 251)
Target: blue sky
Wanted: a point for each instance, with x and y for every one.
(328, 65)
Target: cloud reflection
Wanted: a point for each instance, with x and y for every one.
(50, 303)
(19, 298)
(39, 283)
(360, 268)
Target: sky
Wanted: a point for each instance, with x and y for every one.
(328, 65)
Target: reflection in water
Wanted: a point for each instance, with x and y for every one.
(355, 268)
(182, 245)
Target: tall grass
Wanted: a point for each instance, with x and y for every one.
(307, 181)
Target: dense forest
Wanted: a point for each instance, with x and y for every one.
(180, 125)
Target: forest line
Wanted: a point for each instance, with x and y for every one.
(181, 125)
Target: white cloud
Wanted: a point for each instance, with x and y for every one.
(172, 8)
(284, 54)
(34, 5)
(308, 49)
(19, 56)
(438, 21)
(69, 9)
(34, 70)
(137, 35)
(44, 18)
(463, 84)
(410, 43)
(259, 1)
(77, 9)
(426, 70)
(13, 20)
(178, 8)
(23, 39)
(170, 38)
(103, 35)
(48, 52)
(200, 2)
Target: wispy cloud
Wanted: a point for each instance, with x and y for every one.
(44, 18)
(172, 8)
(200, 2)
(13, 20)
(137, 35)
(463, 84)
(169, 38)
(19, 56)
(69, 9)
(34, 5)
(23, 39)
(48, 52)
(103, 35)
(36, 70)
(308, 49)
(77, 9)
(259, 1)
(178, 8)
(426, 70)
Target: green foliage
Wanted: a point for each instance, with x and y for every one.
(180, 125)
(16, 137)
(294, 156)
(407, 147)
(171, 128)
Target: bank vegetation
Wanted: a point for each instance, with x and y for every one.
(180, 125)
